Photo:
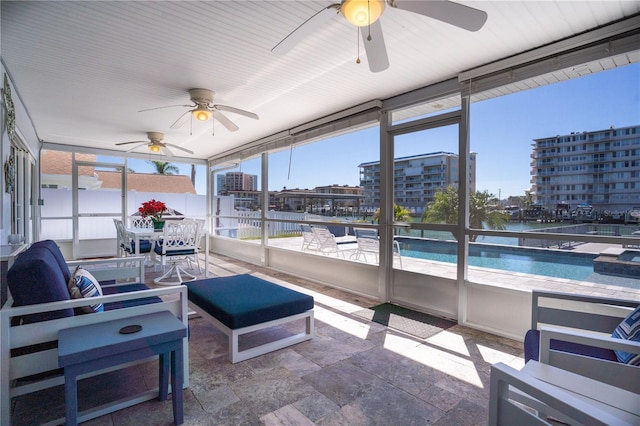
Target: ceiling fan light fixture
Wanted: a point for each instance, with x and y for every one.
(362, 12)
(202, 113)
(154, 148)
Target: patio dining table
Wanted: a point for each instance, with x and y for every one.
(138, 234)
(152, 235)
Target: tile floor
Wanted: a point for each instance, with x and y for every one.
(354, 372)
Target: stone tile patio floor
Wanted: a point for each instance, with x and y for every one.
(354, 372)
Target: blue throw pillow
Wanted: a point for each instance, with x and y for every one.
(629, 329)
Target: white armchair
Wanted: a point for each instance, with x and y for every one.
(573, 332)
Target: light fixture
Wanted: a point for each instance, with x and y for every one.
(202, 113)
(362, 12)
(155, 148)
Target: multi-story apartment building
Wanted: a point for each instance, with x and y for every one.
(416, 179)
(236, 181)
(599, 168)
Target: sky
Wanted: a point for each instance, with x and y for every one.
(501, 129)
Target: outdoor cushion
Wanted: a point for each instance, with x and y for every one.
(532, 348)
(171, 252)
(629, 329)
(82, 287)
(52, 246)
(81, 272)
(244, 300)
(118, 289)
(35, 277)
(145, 246)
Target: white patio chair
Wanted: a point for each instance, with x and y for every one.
(369, 243)
(309, 239)
(200, 234)
(325, 240)
(141, 222)
(178, 243)
(126, 246)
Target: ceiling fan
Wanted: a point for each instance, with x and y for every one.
(366, 13)
(203, 109)
(155, 144)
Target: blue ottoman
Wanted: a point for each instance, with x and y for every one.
(241, 304)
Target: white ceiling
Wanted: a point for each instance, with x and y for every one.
(85, 69)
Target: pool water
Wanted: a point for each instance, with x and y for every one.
(575, 266)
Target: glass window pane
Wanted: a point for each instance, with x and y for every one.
(237, 202)
(426, 168)
(557, 159)
(324, 181)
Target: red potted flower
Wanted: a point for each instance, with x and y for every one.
(154, 209)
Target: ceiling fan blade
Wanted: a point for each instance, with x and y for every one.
(180, 121)
(237, 111)
(311, 25)
(137, 146)
(168, 106)
(167, 151)
(452, 13)
(126, 143)
(225, 121)
(179, 147)
(375, 48)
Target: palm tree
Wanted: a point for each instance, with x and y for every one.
(400, 214)
(164, 168)
(444, 209)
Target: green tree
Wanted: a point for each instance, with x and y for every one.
(444, 209)
(400, 214)
(164, 168)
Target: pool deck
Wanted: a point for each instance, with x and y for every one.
(602, 285)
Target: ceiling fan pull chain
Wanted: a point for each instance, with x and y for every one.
(369, 17)
(213, 127)
(358, 58)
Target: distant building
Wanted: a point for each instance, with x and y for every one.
(599, 168)
(416, 179)
(334, 200)
(236, 181)
(250, 200)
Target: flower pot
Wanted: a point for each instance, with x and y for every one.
(158, 224)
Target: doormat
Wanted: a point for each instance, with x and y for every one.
(415, 323)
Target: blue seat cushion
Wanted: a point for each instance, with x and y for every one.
(35, 277)
(172, 252)
(52, 246)
(145, 246)
(243, 300)
(119, 289)
(532, 348)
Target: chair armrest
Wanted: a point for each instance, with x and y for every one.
(624, 376)
(548, 333)
(578, 311)
(47, 330)
(116, 268)
(508, 384)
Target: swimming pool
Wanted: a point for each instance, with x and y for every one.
(575, 266)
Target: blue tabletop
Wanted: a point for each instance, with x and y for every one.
(93, 341)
